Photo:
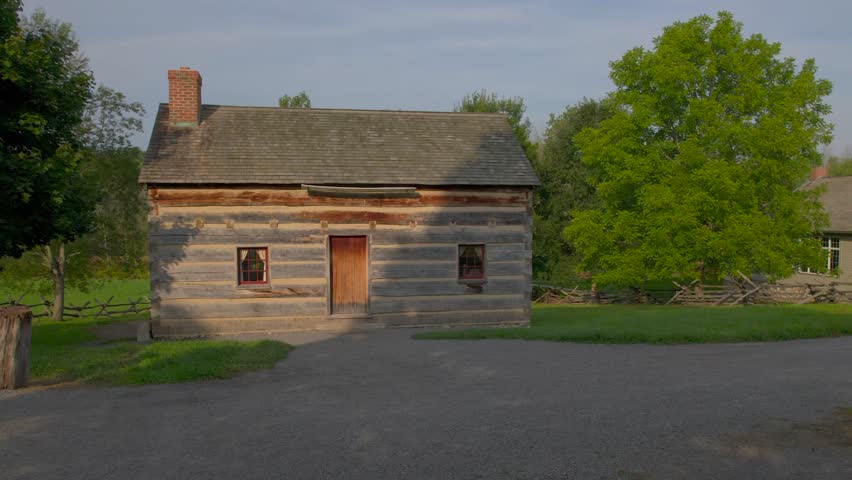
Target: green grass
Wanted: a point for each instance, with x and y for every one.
(669, 324)
(68, 351)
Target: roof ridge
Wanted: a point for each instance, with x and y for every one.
(365, 110)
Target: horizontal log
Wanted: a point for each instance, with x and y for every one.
(269, 307)
(413, 269)
(481, 218)
(228, 271)
(507, 252)
(449, 251)
(455, 318)
(485, 235)
(445, 303)
(158, 239)
(451, 286)
(199, 290)
(237, 196)
(507, 268)
(445, 252)
(181, 254)
(253, 236)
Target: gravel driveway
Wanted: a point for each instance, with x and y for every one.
(381, 405)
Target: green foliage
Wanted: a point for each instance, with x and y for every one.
(839, 166)
(670, 324)
(110, 120)
(116, 246)
(514, 109)
(45, 85)
(697, 169)
(30, 274)
(300, 100)
(564, 188)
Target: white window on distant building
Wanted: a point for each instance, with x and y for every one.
(831, 245)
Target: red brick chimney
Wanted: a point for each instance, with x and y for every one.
(184, 97)
(819, 172)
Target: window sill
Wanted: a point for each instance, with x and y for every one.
(473, 281)
(259, 286)
(814, 274)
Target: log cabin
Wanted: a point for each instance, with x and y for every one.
(280, 219)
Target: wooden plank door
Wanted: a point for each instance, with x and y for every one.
(348, 275)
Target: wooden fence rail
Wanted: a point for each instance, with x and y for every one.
(743, 291)
(92, 308)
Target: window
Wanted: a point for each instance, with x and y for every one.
(832, 244)
(832, 247)
(471, 262)
(253, 265)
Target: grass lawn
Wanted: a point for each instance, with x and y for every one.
(120, 289)
(69, 351)
(669, 324)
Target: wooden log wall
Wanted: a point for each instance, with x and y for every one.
(413, 243)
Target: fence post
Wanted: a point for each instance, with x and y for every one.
(16, 325)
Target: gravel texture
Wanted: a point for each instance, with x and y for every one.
(381, 405)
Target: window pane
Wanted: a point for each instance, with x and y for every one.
(471, 261)
(834, 260)
(252, 265)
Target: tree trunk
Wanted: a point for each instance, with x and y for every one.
(15, 335)
(699, 289)
(56, 264)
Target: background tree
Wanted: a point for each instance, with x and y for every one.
(117, 245)
(839, 165)
(45, 85)
(514, 109)
(300, 100)
(698, 167)
(564, 188)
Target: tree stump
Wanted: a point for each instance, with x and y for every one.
(16, 328)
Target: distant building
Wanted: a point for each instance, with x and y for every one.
(837, 238)
(267, 218)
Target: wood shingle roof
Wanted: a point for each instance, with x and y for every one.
(837, 201)
(271, 145)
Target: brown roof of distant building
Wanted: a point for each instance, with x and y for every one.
(837, 200)
(271, 145)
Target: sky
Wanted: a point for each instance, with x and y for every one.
(419, 55)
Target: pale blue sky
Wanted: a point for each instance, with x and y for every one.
(418, 55)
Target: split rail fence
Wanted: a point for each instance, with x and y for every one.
(93, 308)
(744, 291)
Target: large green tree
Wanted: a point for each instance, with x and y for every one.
(697, 171)
(45, 85)
(116, 245)
(565, 188)
(514, 109)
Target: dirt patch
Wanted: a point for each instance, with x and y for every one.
(771, 440)
(116, 331)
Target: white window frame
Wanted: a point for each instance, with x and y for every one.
(831, 245)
